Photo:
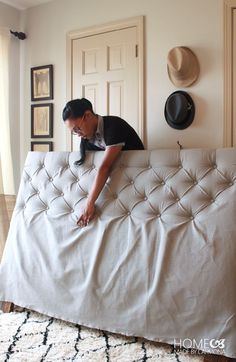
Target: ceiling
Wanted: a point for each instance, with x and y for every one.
(24, 4)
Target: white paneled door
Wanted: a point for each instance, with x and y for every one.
(105, 70)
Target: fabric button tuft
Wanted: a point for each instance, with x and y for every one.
(191, 217)
(131, 181)
(145, 198)
(162, 183)
(128, 213)
(62, 193)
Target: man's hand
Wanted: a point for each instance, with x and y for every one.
(87, 215)
(110, 155)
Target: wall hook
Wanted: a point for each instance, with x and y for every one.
(180, 146)
(19, 35)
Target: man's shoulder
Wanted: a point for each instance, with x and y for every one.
(113, 121)
(113, 118)
(117, 130)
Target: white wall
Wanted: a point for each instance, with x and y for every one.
(10, 17)
(168, 23)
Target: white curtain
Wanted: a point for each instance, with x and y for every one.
(7, 186)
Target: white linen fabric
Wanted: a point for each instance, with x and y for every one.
(158, 259)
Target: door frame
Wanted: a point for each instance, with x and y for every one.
(229, 6)
(138, 22)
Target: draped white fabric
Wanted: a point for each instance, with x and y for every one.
(158, 259)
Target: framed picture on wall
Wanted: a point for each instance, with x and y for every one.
(43, 146)
(42, 120)
(42, 83)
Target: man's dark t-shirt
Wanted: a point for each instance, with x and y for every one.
(116, 130)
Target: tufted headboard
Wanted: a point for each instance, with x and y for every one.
(158, 259)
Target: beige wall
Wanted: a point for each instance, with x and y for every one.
(10, 17)
(168, 23)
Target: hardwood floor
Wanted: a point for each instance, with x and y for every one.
(7, 307)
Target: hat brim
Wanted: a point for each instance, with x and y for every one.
(186, 123)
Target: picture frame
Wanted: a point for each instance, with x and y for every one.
(42, 120)
(42, 83)
(42, 146)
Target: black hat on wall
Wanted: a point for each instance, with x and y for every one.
(179, 110)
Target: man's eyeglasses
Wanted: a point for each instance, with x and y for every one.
(76, 130)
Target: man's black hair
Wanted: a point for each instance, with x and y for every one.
(73, 109)
(76, 108)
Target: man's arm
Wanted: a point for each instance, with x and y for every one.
(110, 155)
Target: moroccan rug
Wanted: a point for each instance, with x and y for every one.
(28, 336)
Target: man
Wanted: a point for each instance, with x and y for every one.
(110, 133)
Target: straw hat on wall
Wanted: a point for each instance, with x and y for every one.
(182, 65)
